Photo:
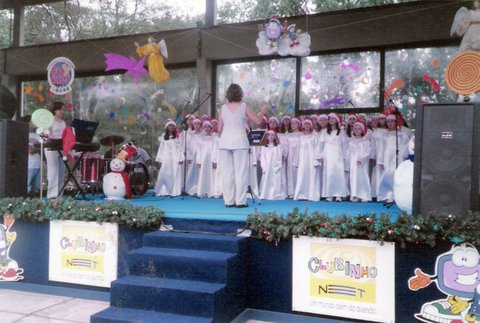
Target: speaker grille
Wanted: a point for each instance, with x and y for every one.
(448, 166)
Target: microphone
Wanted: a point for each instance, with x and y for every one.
(353, 104)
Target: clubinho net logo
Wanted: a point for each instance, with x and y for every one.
(343, 272)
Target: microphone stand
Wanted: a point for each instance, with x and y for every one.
(396, 127)
(185, 130)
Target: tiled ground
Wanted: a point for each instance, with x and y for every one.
(19, 306)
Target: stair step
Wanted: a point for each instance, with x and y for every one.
(166, 295)
(129, 315)
(195, 241)
(200, 265)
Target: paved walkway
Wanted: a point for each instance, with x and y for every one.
(19, 306)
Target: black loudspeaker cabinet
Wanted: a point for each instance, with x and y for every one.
(446, 168)
(13, 158)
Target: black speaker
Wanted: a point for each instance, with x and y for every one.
(13, 158)
(446, 168)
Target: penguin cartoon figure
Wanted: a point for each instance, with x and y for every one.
(116, 184)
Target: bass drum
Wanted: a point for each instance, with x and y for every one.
(139, 178)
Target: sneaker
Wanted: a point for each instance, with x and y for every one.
(354, 200)
(329, 199)
(364, 201)
(242, 206)
(390, 201)
(338, 199)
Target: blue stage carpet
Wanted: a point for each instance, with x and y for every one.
(214, 209)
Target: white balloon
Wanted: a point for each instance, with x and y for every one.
(403, 186)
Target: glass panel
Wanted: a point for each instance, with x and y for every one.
(88, 19)
(415, 76)
(331, 81)
(272, 81)
(6, 21)
(231, 11)
(119, 105)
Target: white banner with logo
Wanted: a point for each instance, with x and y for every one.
(83, 253)
(345, 278)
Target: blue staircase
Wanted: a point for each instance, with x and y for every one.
(180, 277)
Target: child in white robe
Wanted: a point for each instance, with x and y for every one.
(271, 163)
(193, 140)
(293, 147)
(204, 161)
(170, 159)
(334, 164)
(387, 159)
(359, 150)
(308, 186)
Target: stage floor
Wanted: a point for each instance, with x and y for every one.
(214, 209)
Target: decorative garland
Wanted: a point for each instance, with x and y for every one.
(124, 214)
(406, 229)
(268, 226)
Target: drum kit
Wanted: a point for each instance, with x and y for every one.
(94, 166)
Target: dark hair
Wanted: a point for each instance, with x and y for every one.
(329, 128)
(57, 105)
(283, 130)
(169, 135)
(234, 93)
(349, 130)
(275, 141)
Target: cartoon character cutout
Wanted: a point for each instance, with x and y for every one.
(273, 31)
(457, 275)
(9, 270)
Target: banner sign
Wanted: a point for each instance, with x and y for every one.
(83, 253)
(345, 278)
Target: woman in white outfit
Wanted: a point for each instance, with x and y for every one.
(55, 166)
(233, 146)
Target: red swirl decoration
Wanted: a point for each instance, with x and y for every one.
(462, 74)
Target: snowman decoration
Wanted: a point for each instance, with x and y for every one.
(116, 184)
(403, 181)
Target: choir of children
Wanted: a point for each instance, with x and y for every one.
(305, 158)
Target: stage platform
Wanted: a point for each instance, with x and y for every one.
(192, 208)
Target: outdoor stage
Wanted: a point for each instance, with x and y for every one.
(192, 208)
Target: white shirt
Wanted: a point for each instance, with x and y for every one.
(57, 129)
(33, 159)
(234, 134)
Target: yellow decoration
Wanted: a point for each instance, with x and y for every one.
(40, 87)
(154, 51)
(170, 107)
(28, 90)
(131, 119)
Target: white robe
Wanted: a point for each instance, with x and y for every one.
(271, 163)
(377, 171)
(206, 172)
(253, 182)
(217, 185)
(386, 157)
(308, 180)
(284, 145)
(334, 183)
(293, 143)
(359, 150)
(169, 181)
(191, 182)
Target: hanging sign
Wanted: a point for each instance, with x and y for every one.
(61, 73)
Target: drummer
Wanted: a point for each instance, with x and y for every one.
(142, 157)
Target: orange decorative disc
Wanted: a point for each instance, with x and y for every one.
(462, 74)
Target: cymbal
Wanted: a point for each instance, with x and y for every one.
(111, 140)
